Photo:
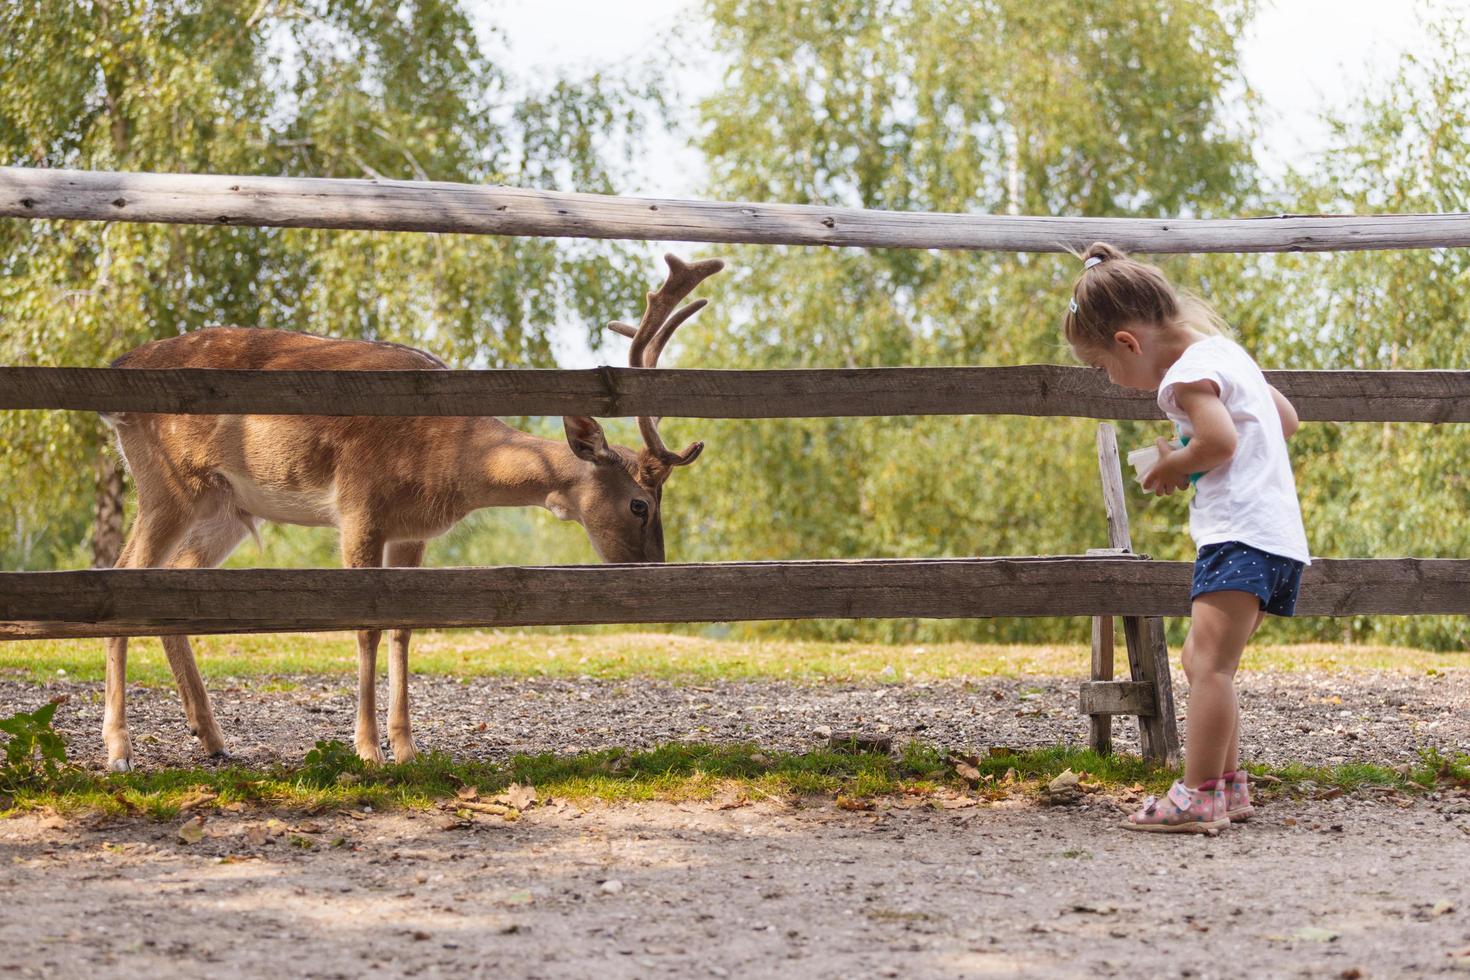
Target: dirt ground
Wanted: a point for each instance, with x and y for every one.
(1366, 885)
(1345, 888)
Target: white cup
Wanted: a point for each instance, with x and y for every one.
(1143, 460)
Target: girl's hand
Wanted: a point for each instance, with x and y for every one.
(1161, 479)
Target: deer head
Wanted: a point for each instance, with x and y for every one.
(621, 505)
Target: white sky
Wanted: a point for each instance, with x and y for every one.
(1303, 57)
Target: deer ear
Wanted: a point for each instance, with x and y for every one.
(585, 437)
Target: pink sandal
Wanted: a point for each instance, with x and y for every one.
(1183, 811)
(1238, 796)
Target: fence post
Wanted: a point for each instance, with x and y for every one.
(1148, 653)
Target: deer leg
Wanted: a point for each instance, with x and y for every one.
(364, 549)
(402, 554)
(154, 535)
(207, 544)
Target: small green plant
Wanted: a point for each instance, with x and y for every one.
(327, 764)
(34, 752)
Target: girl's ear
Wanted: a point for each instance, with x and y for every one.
(1128, 340)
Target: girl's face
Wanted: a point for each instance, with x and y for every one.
(1126, 360)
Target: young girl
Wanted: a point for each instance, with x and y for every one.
(1127, 320)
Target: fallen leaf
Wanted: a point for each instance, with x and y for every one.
(518, 796)
(731, 799)
(1314, 934)
(191, 831)
(1442, 907)
(468, 793)
(967, 772)
(1067, 780)
(853, 803)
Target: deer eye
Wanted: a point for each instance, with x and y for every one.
(639, 508)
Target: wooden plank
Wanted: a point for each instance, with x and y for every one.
(159, 601)
(1100, 726)
(391, 205)
(1115, 503)
(1156, 653)
(1034, 389)
(1148, 657)
(1101, 699)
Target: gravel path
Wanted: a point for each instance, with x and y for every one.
(1319, 718)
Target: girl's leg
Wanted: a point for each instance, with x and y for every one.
(1232, 754)
(1222, 623)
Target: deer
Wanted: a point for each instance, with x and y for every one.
(388, 484)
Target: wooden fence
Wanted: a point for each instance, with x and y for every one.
(159, 601)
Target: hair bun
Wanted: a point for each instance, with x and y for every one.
(1101, 251)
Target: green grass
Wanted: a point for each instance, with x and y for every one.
(682, 659)
(671, 772)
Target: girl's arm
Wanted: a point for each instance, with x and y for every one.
(1211, 445)
(1289, 422)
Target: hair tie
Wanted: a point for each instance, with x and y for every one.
(1072, 305)
(1095, 260)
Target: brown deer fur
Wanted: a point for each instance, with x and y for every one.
(205, 482)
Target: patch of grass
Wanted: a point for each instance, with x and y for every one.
(334, 778)
(682, 659)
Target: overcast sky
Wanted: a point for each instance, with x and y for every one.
(1302, 57)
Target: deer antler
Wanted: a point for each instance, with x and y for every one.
(659, 322)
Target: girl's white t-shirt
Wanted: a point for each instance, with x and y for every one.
(1252, 497)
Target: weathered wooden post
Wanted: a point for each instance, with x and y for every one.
(1150, 695)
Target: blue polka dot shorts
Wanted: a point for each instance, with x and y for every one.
(1234, 567)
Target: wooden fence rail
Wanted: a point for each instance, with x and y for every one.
(1038, 389)
(387, 205)
(162, 601)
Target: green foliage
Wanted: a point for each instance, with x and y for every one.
(34, 752)
(1134, 107)
(328, 762)
(319, 88)
(951, 106)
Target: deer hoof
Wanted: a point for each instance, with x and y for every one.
(372, 755)
(405, 752)
(120, 765)
(220, 754)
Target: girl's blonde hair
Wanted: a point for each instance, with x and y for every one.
(1117, 291)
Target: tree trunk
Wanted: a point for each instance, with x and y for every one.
(107, 522)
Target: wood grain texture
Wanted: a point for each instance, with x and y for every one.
(1101, 699)
(1034, 389)
(160, 601)
(388, 205)
(1100, 726)
(1148, 654)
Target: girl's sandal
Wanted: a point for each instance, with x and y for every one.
(1182, 811)
(1238, 796)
